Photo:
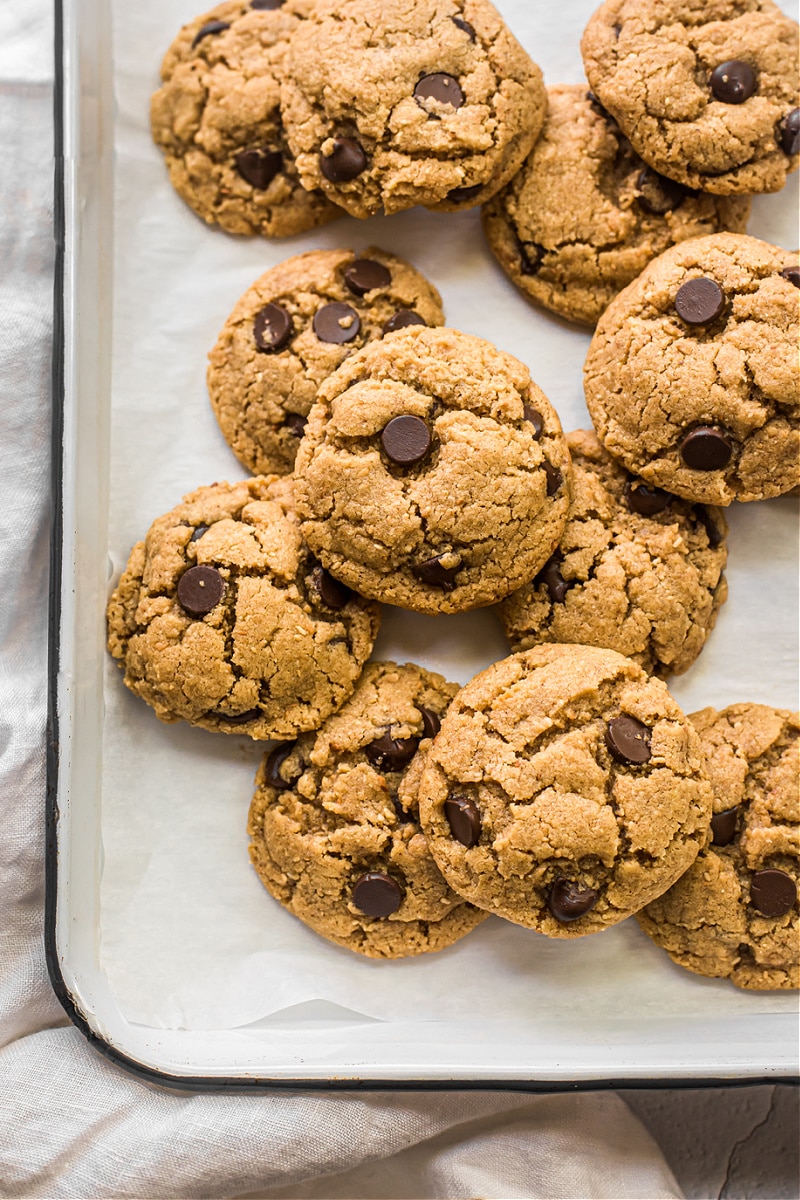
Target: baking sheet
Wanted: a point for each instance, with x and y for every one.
(189, 939)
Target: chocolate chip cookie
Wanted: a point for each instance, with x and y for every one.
(706, 92)
(433, 474)
(335, 833)
(565, 790)
(585, 214)
(392, 103)
(292, 329)
(225, 619)
(734, 914)
(637, 570)
(692, 376)
(217, 120)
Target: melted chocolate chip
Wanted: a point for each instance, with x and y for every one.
(295, 424)
(723, 827)
(391, 754)
(465, 25)
(628, 740)
(531, 255)
(402, 319)
(200, 589)
(733, 82)
(788, 133)
(239, 718)
(272, 767)
(554, 477)
(567, 900)
(330, 590)
(462, 195)
(272, 328)
(377, 894)
(706, 448)
(646, 501)
(534, 418)
(365, 275)
(259, 166)
(434, 574)
(346, 161)
(773, 893)
(792, 274)
(700, 301)
(406, 440)
(209, 28)
(337, 323)
(550, 575)
(440, 87)
(198, 533)
(464, 819)
(430, 722)
(658, 195)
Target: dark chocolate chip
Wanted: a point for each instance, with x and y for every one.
(208, 28)
(295, 424)
(700, 301)
(713, 531)
(628, 740)
(723, 827)
(773, 893)
(430, 722)
(377, 894)
(198, 533)
(788, 131)
(554, 477)
(330, 590)
(345, 162)
(646, 501)
(239, 718)
(706, 448)
(272, 328)
(402, 319)
(567, 900)
(199, 590)
(406, 440)
(462, 195)
(259, 166)
(434, 574)
(403, 815)
(534, 418)
(792, 274)
(391, 754)
(733, 82)
(266, 4)
(465, 25)
(272, 767)
(337, 323)
(658, 195)
(550, 575)
(365, 275)
(464, 819)
(440, 87)
(531, 255)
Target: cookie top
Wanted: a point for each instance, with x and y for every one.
(692, 377)
(734, 914)
(433, 473)
(585, 215)
(224, 618)
(292, 329)
(334, 830)
(217, 120)
(638, 570)
(565, 790)
(392, 103)
(706, 90)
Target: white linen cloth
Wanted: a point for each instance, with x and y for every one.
(71, 1124)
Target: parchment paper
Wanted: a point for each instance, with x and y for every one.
(189, 937)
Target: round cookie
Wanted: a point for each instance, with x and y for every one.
(225, 619)
(216, 117)
(334, 828)
(433, 474)
(565, 790)
(734, 914)
(292, 329)
(393, 103)
(638, 570)
(585, 215)
(706, 90)
(691, 377)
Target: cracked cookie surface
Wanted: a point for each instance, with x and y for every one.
(266, 366)
(334, 827)
(706, 90)
(585, 215)
(565, 790)
(225, 619)
(734, 914)
(637, 570)
(393, 103)
(433, 474)
(691, 378)
(216, 117)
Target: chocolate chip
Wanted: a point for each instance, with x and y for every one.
(462, 195)
(295, 424)
(788, 131)
(464, 819)
(266, 4)
(199, 590)
(365, 275)
(699, 302)
(531, 255)
(465, 25)
(792, 274)
(272, 767)
(713, 532)
(259, 166)
(377, 894)
(706, 448)
(733, 82)
(550, 575)
(272, 328)
(391, 754)
(434, 574)
(430, 722)
(534, 418)
(403, 815)
(406, 440)
(239, 718)
(646, 501)
(208, 28)
(658, 195)
(442, 88)
(723, 827)
(330, 590)
(773, 893)
(345, 162)
(337, 323)
(198, 533)
(567, 900)
(402, 319)
(554, 477)
(628, 740)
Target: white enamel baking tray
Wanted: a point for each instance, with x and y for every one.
(142, 289)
